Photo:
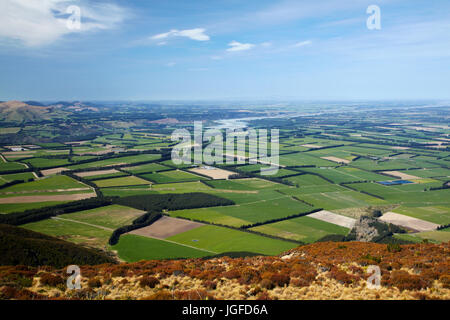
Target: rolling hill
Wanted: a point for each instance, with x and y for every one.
(17, 111)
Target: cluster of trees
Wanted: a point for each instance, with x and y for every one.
(385, 230)
(25, 247)
(33, 215)
(160, 202)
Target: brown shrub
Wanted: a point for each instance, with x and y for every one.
(267, 284)
(248, 276)
(8, 293)
(445, 280)
(94, 283)
(280, 279)
(160, 295)
(193, 295)
(147, 281)
(210, 285)
(48, 279)
(300, 282)
(232, 274)
(342, 276)
(405, 281)
(263, 296)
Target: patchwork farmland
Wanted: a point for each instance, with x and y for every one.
(329, 176)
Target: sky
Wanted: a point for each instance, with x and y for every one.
(224, 49)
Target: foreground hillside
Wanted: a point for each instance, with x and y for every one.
(318, 271)
(19, 246)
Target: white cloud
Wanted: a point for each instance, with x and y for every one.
(237, 46)
(302, 43)
(171, 64)
(36, 23)
(197, 34)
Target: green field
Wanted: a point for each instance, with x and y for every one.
(106, 176)
(113, 216)
(172, 176)
(277, 207)
(117, 161)
(400, 195)
(16, 176)
(347, 174)
(435, 214)
(58, 182)
(72, 231)
(340, 200)
(307, 180)
(303, 229)
(132, 248)
(43, 163)
(303, 159)
(123, 181)
(219, 239)
(146, 168)
(11, 166)
(19, 207)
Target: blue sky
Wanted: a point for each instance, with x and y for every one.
(224, 49)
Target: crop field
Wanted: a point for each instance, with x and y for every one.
(303, 229)
(247, 213)
(54, 183)
(16, 176)
(19, 207)
(132, 248)
(220, 240)
(304, 159)
(347, 174)
(400, 195)
(72, 231)
(435, 214)
(146, 168)
(430, 173)
(117, 161)
(113, 216)
(243, 184)
(43, 163)
(172, 176)
(306, 180)
(340, 200)
(11, 166)
(123, 181)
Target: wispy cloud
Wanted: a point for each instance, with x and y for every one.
(302, 43)
(38, 23)
(237, 46)
(197, 34)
